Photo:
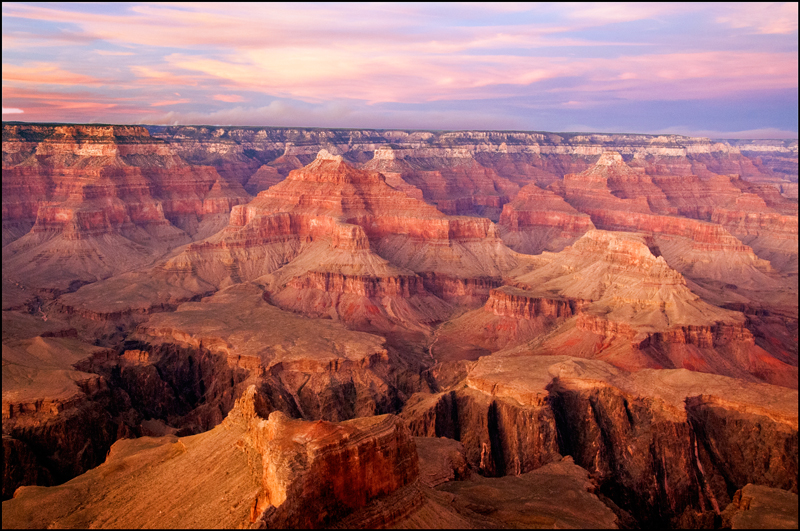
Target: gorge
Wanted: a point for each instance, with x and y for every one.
(213, 326)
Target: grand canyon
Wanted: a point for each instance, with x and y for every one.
(209, 326)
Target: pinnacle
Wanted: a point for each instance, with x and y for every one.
(610, 158)
(324, 154)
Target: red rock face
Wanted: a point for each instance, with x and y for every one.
(332, 221)
(709, 229)
(265, 177)
(624, 428)
(625, 300)
(459, 185)
(520, 305)
(111, 187)
(317, 473)
(538, 220)
(754, 213)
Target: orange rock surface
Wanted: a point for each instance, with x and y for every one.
(609, 319)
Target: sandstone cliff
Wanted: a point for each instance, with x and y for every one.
(654, 440)
(276, 471)
(99, 201)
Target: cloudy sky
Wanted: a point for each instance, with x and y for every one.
(720, 70)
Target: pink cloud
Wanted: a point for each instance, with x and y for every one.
(68, 106)
(46, 73)
(105, 52)
(169, 102)
(153, 76)
(229, 98)
(408, 54)
(761, 17)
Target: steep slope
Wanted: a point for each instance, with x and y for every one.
(661, 444)
(609, 297)
(704, 251)
(55, 420)
(324, 370)
(334, 241)
(456, 183)
(538, 220)
(100, 201)
(256, 467)
(754, 213)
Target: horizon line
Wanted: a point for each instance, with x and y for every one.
(389, 129)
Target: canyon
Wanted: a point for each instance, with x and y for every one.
(284, 327)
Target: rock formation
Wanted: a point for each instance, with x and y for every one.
(658, 442)
(99, 201)
(335, 241)
(274, 470)
(608, 296)
(538, 220)
(610, 319)
(758, 507)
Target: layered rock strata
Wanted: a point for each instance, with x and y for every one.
(700, 227)
(625, 428)
(609, 297)
(519, 156)
(316, 369)
(99, 201)
(56, 420)
(333, 227)
(248, 470)
(538, 220)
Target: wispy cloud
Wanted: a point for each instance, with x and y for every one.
(46, 74)
(762, 17)
(229, 98)
(12, 111)
(106, 52)
(526, 62)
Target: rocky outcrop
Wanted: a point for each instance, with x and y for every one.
(710, 229)
(262, 179)
(317, 369)
(648, 438)
(526, 499)
(330, 218)
(759, 507)
(777, 156)
(316, 473)
(538, 220)
(519, 304)
(441, 460)
(58, 422)
(498, 435)
(463, 187)
(21, 467)
(272, 471)
(99, 201)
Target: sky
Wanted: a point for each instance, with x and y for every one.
(724, 70)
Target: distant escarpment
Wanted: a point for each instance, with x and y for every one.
(82, 203)
(461, 172)
(611, 296)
